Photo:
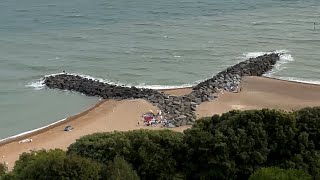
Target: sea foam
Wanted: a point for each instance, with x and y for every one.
(39, 84)
(299, 80)
(285, 57)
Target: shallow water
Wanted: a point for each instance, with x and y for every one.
(144, 43)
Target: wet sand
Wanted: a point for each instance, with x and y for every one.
(256, 93)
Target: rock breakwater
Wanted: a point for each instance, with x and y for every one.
(229, 79)
(179, 109)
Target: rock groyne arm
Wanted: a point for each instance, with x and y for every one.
(179, 109)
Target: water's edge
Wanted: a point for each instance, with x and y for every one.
(26, 134)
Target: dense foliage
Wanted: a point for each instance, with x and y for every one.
(54, 164)
(274, 173)
(153, 154)
(235, 145)
(120, 169)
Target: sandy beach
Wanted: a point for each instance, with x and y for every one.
(111, 115)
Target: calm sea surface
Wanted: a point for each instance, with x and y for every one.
(144, 43)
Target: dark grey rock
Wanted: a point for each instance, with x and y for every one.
(182, 117)
(176, 102)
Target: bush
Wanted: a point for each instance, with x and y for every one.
(274, 173)
(153, 154)
(54, 164)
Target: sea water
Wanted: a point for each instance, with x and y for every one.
(154, 44)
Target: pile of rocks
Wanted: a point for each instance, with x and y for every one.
(229, 79)
(179, 109)
(91, 87)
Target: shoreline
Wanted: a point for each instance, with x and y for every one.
(69, 119)
(292, 81)
(40, 130)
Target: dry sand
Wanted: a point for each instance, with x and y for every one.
(178, 91)
(262, 92)
(257, 92)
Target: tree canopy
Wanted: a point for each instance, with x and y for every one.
(153, 154)
(120, 169)
(233, 145)
(55, 164)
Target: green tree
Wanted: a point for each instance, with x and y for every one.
(54, 164)
(308, 120)
(281, 129)
(233, 145)
(275, 173)
(153, 154)
(206, 155)
(120, 169)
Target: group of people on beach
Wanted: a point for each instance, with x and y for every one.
(151, 119)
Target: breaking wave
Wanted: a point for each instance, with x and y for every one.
(299, 80)
(285, 57)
